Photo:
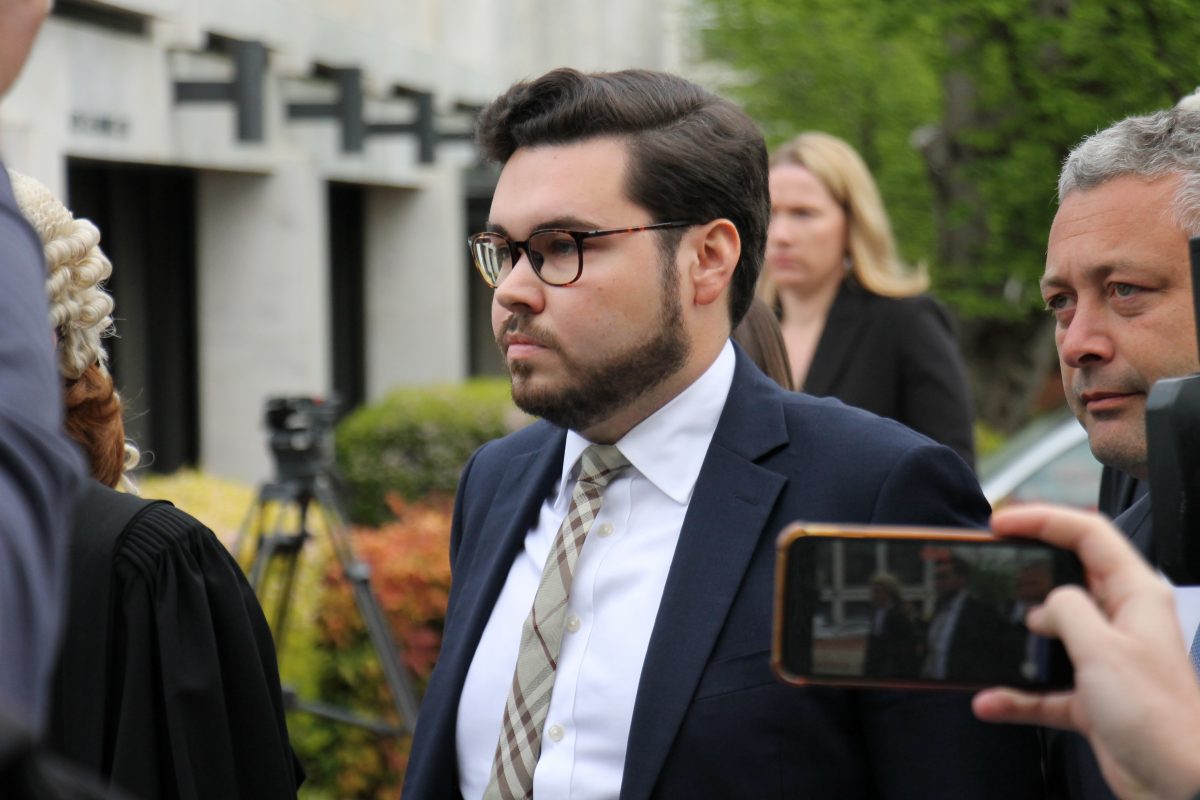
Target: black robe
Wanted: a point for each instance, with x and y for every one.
(167, 684)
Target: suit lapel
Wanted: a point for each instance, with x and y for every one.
(725, 521)
(517, 500)
(1137, 523)
(839, 337)
(525, 483)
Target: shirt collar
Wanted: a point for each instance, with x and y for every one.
(669, 446)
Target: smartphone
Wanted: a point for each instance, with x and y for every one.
(894, 607)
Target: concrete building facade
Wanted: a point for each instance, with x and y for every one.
(284, 188)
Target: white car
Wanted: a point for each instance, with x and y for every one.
(1047, 461)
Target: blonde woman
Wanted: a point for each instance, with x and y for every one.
(167, 684)
(855, 320)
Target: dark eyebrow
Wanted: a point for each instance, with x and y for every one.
(555, 223)
(566, 224)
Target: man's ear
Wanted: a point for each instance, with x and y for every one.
(716, 249)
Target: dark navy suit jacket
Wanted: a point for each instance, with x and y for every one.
(710, 720)
(896, 357)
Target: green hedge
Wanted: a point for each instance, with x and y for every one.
(416, 441)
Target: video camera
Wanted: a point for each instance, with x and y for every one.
(300, 434)
(1173, 444)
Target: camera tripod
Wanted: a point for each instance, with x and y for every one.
(282, 543)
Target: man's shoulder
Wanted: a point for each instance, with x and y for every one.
(15, 230)
(529, 439)
(855, 465)
(827, 419)
(761, 417)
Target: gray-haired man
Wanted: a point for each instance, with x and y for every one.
(1117, 280)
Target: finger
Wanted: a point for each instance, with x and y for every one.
(1070, 605)
(1111, 562)
(1062, 527)
(1072, 616)
(1069, 614)
(1023, 708)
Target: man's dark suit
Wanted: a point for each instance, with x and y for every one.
(710, 720)
(1118, 491)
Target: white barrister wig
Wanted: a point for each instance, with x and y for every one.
(76, 268)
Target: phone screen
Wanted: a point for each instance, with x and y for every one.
(881, 608)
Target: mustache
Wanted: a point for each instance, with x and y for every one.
(1127, 383)
(522, 326)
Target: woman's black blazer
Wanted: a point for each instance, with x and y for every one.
(898, 358)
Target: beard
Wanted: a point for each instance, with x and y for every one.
(598, 390)
(1116, 440)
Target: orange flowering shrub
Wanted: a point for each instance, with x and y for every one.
(410, 576)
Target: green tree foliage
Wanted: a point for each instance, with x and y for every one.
(829, 65)
(964, 110)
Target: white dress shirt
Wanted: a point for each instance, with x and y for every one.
(615, 594)
(1187, 607)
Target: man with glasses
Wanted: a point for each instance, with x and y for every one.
(609, 625)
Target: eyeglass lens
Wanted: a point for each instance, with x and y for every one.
(554, 255)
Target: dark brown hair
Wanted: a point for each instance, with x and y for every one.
(93, 420)
(759, 335)
(694, 156)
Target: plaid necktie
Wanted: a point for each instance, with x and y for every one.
(541, 636)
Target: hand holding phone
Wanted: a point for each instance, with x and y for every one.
(1136, 698)
(915, 607)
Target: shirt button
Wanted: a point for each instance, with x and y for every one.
(556, 732)
(605, 529)
(573, 623)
